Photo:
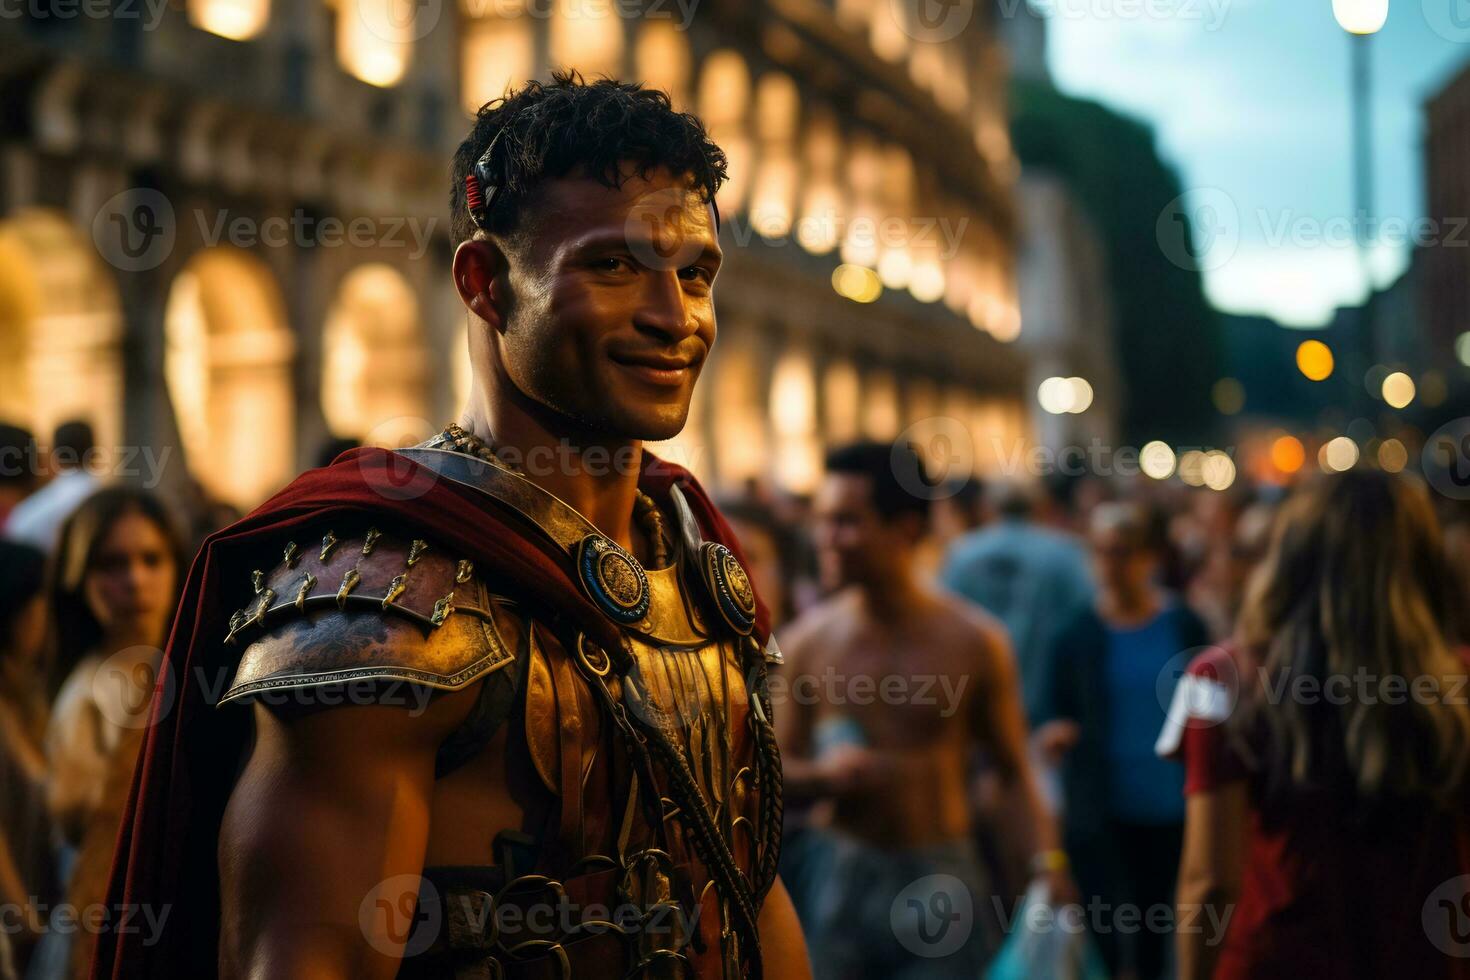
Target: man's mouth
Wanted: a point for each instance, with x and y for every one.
(667, 372)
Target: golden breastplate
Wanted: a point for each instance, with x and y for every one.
(652, 778)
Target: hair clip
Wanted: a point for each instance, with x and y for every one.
(480, 189)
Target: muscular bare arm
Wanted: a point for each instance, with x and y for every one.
(1000, 724)
(329, 818)
(783, 947)
(801, 775)
(1209, 875)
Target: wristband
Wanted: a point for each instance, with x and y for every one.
(1046, 862)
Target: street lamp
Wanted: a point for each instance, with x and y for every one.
(1360, 16)
(1362, 19)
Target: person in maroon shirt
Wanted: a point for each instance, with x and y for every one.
(1326, 751)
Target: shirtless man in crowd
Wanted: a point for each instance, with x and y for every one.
(889, 687)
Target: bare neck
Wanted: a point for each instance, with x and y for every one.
(895, 596)
(594, 473)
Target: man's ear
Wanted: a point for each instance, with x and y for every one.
(479, 277)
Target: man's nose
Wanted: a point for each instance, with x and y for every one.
(664, 307)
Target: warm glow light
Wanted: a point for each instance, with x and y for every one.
(1360, 16)
(774, 194)
(1156, 460)
(926, 282)
(662, 59)
(1398, 389)
(497, 52)
(1314, 359)
(587, 36)
(1006, 326)
(375, 365)
(1338, 454)
(1462, 348)
(1392, 455)
(1060, 396)
(1055, 395)
(238, 20)
(1191, 468)
(1288, 454)
(857, 283)
(1217, 470)
(375, 40)
(1081, 395)
(894, 268)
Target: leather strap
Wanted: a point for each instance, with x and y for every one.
(495, 704)
(558, 519)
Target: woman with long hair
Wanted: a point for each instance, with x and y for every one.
(115, 586)
(1326, 753)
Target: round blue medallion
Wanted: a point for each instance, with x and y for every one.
(612, 579)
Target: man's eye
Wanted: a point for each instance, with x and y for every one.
(696, 273)
(612, 264)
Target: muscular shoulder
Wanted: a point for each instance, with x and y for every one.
(361, 607)
(984, 638)
(821, 627)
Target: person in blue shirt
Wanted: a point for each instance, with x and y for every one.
(1032, 578)
(1110, 677)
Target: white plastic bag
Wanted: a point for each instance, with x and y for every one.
(1046, 942)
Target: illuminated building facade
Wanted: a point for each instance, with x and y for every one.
(223, 221)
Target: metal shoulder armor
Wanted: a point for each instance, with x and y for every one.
(364, 607)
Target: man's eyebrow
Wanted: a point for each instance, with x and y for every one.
(596, 241)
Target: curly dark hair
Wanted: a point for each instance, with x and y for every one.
(602, 127)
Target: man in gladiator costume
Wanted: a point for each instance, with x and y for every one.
(495, 705)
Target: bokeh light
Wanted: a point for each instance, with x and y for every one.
(1191, 468)
(1392, 455)
(1157, 460)
(1288, 454)
(1338, 454)
(1398, 389)
(1055, 395)
(1217, 470)
(1314, 359)
(857, 283)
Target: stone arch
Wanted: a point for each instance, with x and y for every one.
(227, 364)
(375, 359)
(61, 328)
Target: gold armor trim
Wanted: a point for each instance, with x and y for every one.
(441, 632)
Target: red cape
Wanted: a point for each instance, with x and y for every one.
(166, 847)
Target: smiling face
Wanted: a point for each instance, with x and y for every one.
(610, 312)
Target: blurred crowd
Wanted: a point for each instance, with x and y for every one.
(1055, 692)
(1213, 687)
